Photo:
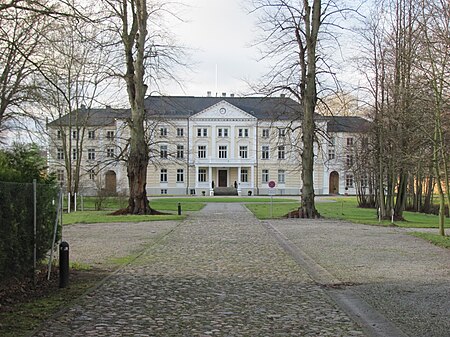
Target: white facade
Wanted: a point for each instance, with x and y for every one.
(221, 148)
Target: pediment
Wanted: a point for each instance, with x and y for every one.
(223, 110)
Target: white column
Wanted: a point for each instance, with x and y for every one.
(232, 154)
(196, 176)
(239, 181)
(211, 190)
(252, 176)
(213, 143)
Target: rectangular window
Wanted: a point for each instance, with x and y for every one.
(281, 176)
(58, 134)
(75, 134)
(281, 152)
(91, 134)
(202, 151)
(110, 152)
(243, 132)
(244, 175)
(163, 132)
(74, 154)
(59, 153)
(222, 132)
(222, 151)
(265, 152)
(180, 151)
(349, 180)
(202, 175)
(331, 154)
(265, 133)
(110, 134)
(365, 181)
(164, 191)
(180, 132)
(91, 174)
(60, 175)
(349, 160)
(281, 132)
(265, 176)
(180, 175)
(163, 176)
(350, 141)
(163, 151)
(243, 152)
(202, 132)
(91, 154)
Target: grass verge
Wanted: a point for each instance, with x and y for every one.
(104, 217)
(436, 239)
(21, 316)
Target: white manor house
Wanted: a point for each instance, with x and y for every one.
(207, 146)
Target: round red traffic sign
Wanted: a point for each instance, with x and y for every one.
(271, 184)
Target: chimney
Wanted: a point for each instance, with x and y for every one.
(231, 95)
(282, 95)
(108, 107)
(224, 94)
(208, 93)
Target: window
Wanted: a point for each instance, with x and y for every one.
(180, 151)
(60, 175)
(349, 141)
(180, 175)
(164, 191)
(74, 154)
(59, 153)
(202, 132)
(349, 180)
(201, 175)
(110, 134)
(244, 175)
(222, 151)
(163, 151)
(91, 154)
(110, 152)
(365, 181)
(163, 176)
(265, 133)
(349, 160)
(281, 132)
(243, 152)
(58, 134)
(91, 174)
(222, 132)
(281, 152)
(265, 176)
(243, 132)
(331, 154)
(163, 132)
(180, 132)
(75, 134)
(281, 176)
(202, 151)
(91, 134)
(265, 152)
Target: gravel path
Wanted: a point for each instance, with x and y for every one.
(219, 273)
(403, 277)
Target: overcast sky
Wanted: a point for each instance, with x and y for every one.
(220, 33)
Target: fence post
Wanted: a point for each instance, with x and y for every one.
(59, 212)
(68, 202)
(63, 264)
(34, 231)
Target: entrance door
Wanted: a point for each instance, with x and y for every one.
(223, 178)
(110, 182)
(334, 183)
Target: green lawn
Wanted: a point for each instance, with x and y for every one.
(436, 239)
(263, 210)
(104, 217)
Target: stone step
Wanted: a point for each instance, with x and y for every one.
(225, 191)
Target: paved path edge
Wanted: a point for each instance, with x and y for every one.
(371, 321)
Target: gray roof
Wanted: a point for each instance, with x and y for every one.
(91, 117)
(348, 124)
(185, 106)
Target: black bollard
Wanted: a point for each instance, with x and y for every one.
(63, 264)
(179, 208)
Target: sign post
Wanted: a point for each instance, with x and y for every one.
(271, 185)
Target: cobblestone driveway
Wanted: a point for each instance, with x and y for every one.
(219, 273)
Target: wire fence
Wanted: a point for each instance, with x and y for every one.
(28, 219)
